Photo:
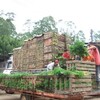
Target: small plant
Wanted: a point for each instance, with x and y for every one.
(21, 80)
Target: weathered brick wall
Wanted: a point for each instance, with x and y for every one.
(38, 51)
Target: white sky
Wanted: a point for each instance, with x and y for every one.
(84, 13)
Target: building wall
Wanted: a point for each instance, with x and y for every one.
(38, 51)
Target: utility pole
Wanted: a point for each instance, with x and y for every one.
(91, 35)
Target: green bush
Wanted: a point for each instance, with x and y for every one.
(20, 81)
(78, 48)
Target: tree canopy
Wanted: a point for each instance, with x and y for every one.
(46, 24)
(8, 36)
(10, 39)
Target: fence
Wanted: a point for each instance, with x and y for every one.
(62, 84)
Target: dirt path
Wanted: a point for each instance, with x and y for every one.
(4, 96)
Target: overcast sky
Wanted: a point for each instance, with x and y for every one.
(84, 13)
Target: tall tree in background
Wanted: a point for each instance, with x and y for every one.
(28, 27)
(80, 36)
(6, 23)
(12, 28)
(47, 24)
(68, 28)
(96, 36)
(10, 15)
(8, 36)
(4, 27)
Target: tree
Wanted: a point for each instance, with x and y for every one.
(68, 28)
(28, 25)
(97, 36)
(71, 29)
(6, 23)
(8, 39)
(80, 36)
(12, 28)
(47, 24)
(4, 27)
(10, 16)
(6, 44)
(28, 29)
